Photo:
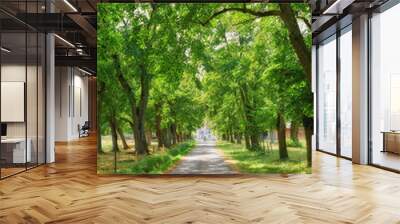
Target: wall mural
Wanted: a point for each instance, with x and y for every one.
(204, 88)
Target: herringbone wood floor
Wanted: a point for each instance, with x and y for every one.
(69, 191)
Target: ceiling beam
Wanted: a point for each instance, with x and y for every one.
(86, 27)
(79, 61)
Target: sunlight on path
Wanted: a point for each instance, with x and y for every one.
(204, 159)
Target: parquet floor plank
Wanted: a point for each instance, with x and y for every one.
(70, 191)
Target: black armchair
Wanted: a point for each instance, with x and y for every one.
(84, 130)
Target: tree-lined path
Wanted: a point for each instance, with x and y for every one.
(244, 70)
(204, 159)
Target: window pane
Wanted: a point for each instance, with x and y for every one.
(327, 95)
(385, 92)
(15, 151)
(346, 92)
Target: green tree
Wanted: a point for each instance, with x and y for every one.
(145, 40)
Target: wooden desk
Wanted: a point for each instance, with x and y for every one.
(391, 141)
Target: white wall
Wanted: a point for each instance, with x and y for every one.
(62, 81)
(71, 102)
(80, 109)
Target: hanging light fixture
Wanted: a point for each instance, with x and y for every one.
(64, 40)
(70, 5)
(5, 50)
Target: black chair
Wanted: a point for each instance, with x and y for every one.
(84, 130)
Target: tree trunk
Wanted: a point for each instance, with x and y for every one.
(179, 136)
(294, 132)
(255, 142)
(231, 137)
(281, 128)
(247, 141)
(141, 146)
(132, 128)
(238, 138)
(173, 133)
(149, 137)
(251, 132)
(137, 111)
(296, 38)
(139, 134)
(158, 119)
(308, 124)
(114, 136)
(122, 136)
(167, 137)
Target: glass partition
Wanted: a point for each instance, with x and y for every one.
(385, 89)
(31, 97)
(327, 95)
(22, 98)
(346, 92)
(14, 151)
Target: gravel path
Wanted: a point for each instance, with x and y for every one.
(204, 159)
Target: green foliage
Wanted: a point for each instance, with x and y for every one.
(148, 48)
(156, 163)
(254, 74)
(266, 162)
(296, 144)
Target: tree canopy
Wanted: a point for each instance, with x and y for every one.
(168, 69)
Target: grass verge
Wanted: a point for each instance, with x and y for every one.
(156, 163)
(266, 162)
